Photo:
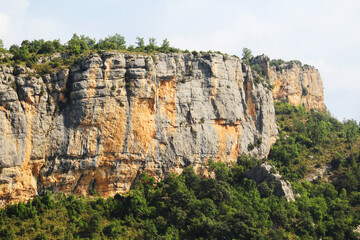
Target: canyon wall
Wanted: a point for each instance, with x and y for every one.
(101, 123)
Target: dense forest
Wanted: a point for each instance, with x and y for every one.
(225, 206)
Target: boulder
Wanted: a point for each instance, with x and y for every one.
(266, 173)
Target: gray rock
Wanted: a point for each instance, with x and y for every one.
(266, 173)
(110, 117)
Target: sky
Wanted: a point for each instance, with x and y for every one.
(322, 33)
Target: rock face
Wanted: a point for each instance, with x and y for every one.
(299, 85)
(266, 173)
(109, 118)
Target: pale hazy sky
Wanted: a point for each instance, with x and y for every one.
(322, 33)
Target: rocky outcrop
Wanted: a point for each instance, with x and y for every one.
(299, 85)
(267, 173)
(357, 232)
(102, 122)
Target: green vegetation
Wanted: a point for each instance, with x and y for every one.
(47, 57)
(39, 54)
(281, 64)
(277, 63)
(29, 51)
(226, 206)
(187, 206)
(2, 49)
(304, 91)
(247, 55)
(259, 73)
(310, 140)
(202, 120)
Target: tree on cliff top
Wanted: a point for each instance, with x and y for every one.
(114, 42)
(152, 45)
(246, 55)
(140, 43)
(77, 44)
(165, 45)
(2, 46)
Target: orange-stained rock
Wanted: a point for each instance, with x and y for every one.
(300, 86)
(100, 124)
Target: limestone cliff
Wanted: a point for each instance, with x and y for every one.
(109, 118)
(300, 85)
(297, 84)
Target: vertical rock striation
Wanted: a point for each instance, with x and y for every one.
(101, 123)
(299, 85)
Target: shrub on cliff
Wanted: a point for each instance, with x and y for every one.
(114, 42)
(247, 55)
(2, 49)
(140, 43)
(78, 44)
(277, 63)
(152, 45)
(22, 54)
(49, 47)
(165, 46)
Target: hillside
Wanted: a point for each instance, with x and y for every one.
(92, 116)
(104, 141)
(225, 206)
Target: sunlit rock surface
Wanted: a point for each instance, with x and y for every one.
(113, 116)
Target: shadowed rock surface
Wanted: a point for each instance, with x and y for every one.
(267, 173)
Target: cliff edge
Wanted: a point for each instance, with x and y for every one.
(98, 125)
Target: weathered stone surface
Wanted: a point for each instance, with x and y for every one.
(299, 85)
(266, 173)
(111, 117)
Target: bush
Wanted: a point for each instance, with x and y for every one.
(95, 223)
(114, 42)
(7, 233)
(47, 48)
(246, 55)
(304, 91)
(264, 190)
(113, 230)
(2, 49)
(140, 43)
(41, 236)
(277, 63)
(257, 69)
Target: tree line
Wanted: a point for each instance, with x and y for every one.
(29, 51)
(225, 206)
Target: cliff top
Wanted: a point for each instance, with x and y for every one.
(37, 52)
